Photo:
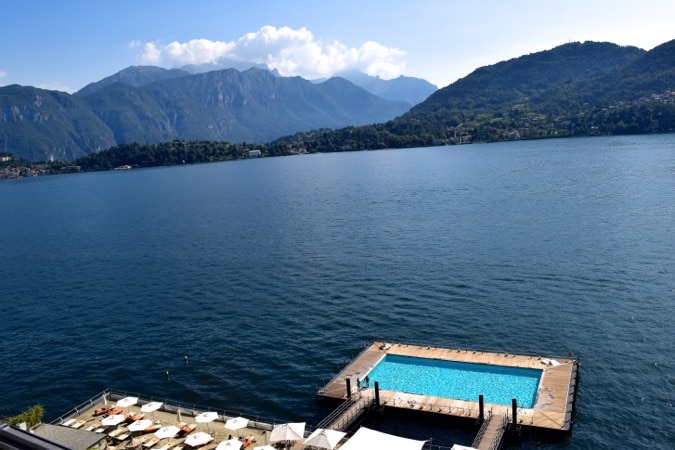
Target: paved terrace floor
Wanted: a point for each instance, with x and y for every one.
(553, 404)
(86, 420)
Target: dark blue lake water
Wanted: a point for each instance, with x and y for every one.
(270, 273)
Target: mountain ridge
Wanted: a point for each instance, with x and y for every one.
(577, 89)
(151, 105)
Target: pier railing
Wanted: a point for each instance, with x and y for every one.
(345, 363)
(481, 431)
(496, 439)
(452, 410)
(444, 344)
(348, 412)
(81, 407)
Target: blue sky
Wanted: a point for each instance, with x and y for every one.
(66, 45)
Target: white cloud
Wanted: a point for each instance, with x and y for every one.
(291, 52)
(3, 74)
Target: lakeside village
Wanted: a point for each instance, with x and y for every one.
(31, 171)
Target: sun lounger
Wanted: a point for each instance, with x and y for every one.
(132, 417)
(186, 429)
(149, 441)
(68, 422)
(103, 410)
(152, 428)
(247, 441)
(115, 411)
(122, 437)
(78, 424)
(116, 432)
(163, 447)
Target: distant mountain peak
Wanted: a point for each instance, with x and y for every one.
(407, 89)
(224, 63)
(133, 76)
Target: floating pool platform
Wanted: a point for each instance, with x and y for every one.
(551, 410)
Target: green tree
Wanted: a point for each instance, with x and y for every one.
(32, 416)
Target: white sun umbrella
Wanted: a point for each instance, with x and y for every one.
(151, 408)
(325, 438)
(229, 445)
(197, 439)
(139, 425)
(127, 402)
(113, 420)
(207, 417)
(236, 423)
(167, 432)
(288, 432)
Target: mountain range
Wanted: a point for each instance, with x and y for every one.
(151, 105)
(576, 89)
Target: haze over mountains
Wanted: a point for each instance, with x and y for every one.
(574, 89)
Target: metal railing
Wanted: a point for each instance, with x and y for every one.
(499, 436)
(360, 404)
(342, 367)
(497, 442)
(170, 406)
(531, 352)
(415, 405)
(482, 429)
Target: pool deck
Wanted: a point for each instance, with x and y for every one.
(553, 404)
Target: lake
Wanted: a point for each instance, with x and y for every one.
(271, 273)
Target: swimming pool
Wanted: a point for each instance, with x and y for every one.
(457, 380)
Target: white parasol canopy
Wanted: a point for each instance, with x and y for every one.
(139, 425)
(113, 420)
(288, 432)
(127, 401)
(151, 408)
(229, 445)
(236, 423)
(325, 438)
(167, 432)
(197, 439)
(207, 417)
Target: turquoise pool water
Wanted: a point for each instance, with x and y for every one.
(461, 381)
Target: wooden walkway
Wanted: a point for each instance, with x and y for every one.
(349, 412)
(553, 404)
(492, 433)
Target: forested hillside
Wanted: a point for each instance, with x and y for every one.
(578, 89)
